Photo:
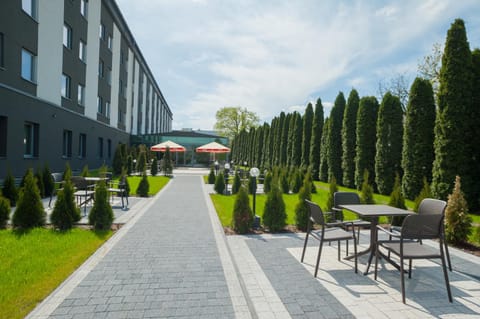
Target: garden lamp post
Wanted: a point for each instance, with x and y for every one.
(216, 167)
(226, 170)
(254, 172)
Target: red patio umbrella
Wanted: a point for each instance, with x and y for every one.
(162, 147)
(212, 147)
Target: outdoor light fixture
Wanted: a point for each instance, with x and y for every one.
(226, 169)
(254, 172)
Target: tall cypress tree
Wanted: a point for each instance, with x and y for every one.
(418, 154)
(317, 128)
(323, 167)
(475, 130)
(297, 141)
(307, 135)
(366, 139)
(349, 139)
(335, 139)
(284, 140)
(388, 156)
(291, 133)
(453, 118)
(265, 154)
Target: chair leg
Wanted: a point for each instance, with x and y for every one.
(355, 252)
(318, 258)
(338, 250)
(347, 247)
(445, 273)
(410, 269)
(376, 260)
(402, 276)
(304, 246)
(358, 235)
(448, 256)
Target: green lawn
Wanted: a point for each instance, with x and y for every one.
(156, 183)
(34, 263)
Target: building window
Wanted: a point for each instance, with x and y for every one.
(30, 140)
(3, 136)
(100, 147)
(82, 51)
(84, 8)
(109, 148)
(2, 61)
(100, 105)
(120, 117)
(102, 32)
(109, 42)
(109, 76)
(67, 36)
(100, 69)
(30, 8)
(82, 145)
(107, 109)
(81, 95)
(67, 143)
(29, 66)
(66, 81)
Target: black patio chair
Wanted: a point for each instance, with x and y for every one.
(348, 198)
(120, 188)
(84, 192)
(326, 234)
(406, 245)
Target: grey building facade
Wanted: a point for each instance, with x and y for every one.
(73, 84)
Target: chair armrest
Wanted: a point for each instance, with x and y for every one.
(396, 235)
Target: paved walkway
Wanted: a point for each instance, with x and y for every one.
(172, 260)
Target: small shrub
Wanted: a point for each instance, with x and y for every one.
(296, 181)
(167, 163)
(333, 188)
(242, 213)
(65, 212)
(457, 220)
(9, 190)
(397, 200)
(29, 212)
(4, 211)
(211, 176)
(141, 159)
(284, 182)
(237, 182)
(154, 168)
(366, 191)
(84, 173)
(219, 184)
(301, 209)
(424, 193)
(143, 186)
(48, 182)
(101, 214)
(39, 180)
(267, 183)
(274, 214)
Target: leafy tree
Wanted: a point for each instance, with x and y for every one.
(211, 176)
(29, 212)
(418, 153)
(323, 168)
(349, 136)
(334, 155)
(242, 213)
(237, 182)
(333, 188)
(84, 173)
(389, 143)
(231, 120)
(366, 191)
(219, 183)
(154, 168)
(429, 68)
(167, 167)
(397, 200)
(274, 214)
(424, 193)
(65, 212)
(4, 211)
(301, 209)
(48, 182)
(9, 190)
(144, 186)
(457, 220)
(397, 86)
(453, 116)
(307, 135)
(267, 183)
(101, 214)
(366, 139)
(316, 140)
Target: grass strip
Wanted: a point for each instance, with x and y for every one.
(156, 183)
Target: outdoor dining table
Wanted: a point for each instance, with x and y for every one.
(374, 211)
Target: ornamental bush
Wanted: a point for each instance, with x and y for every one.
(242, 213)
(4, 211)
(333, 188)
(39, 180)
(424, 193)
(143, 186)
(101, 214)
(219, 183)
(366, 191)
(301, 210)
(48, 182)
(154, 168)
(274, 214)
(9, 190)
(237, 183)
(29, 212)
(296, 182)
(267, 183)
(84, 173)
(397, 200)
(65, 212)
(457, 220)
(211, 176)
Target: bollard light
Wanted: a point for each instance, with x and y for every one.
(254, 172)
(226, 170)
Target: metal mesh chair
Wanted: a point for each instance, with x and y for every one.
(348, 198)
(406, 245)
(325, 234)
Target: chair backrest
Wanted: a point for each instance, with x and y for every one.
(426, 226)
(316, 214)
(345, 198)
(57, 177)
(79, 182)
(432, 206)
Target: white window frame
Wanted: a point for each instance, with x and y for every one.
(30, 140)
(66, 90)
(84, 8)
(101, 67)
(107, 109)
(82, 51)
(81, 94)
(67, 144)
(99, 105)
(67, 36)
(82, 145)
(31, 68)
(30, 7)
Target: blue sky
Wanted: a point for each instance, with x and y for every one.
(274, 55)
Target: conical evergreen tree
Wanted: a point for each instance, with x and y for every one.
(274, 214)
(242, 213)
(167, 166)
(424, 193)
(101, 214)
(397, 200)
(349, 139)
(334, 156)
(4, 211)
(29, 212)
(237, 183)
(307, 135)
(388, 156)
(474, 196)
(9, 190)
(323, 168)
(284, 141)
(65, 212)
(48, 182)
(366, 139)
(418, 153)
(457, 221)
(301, 209)
(316, 141)
(454, 112)
(366, 191)
(297, 141)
